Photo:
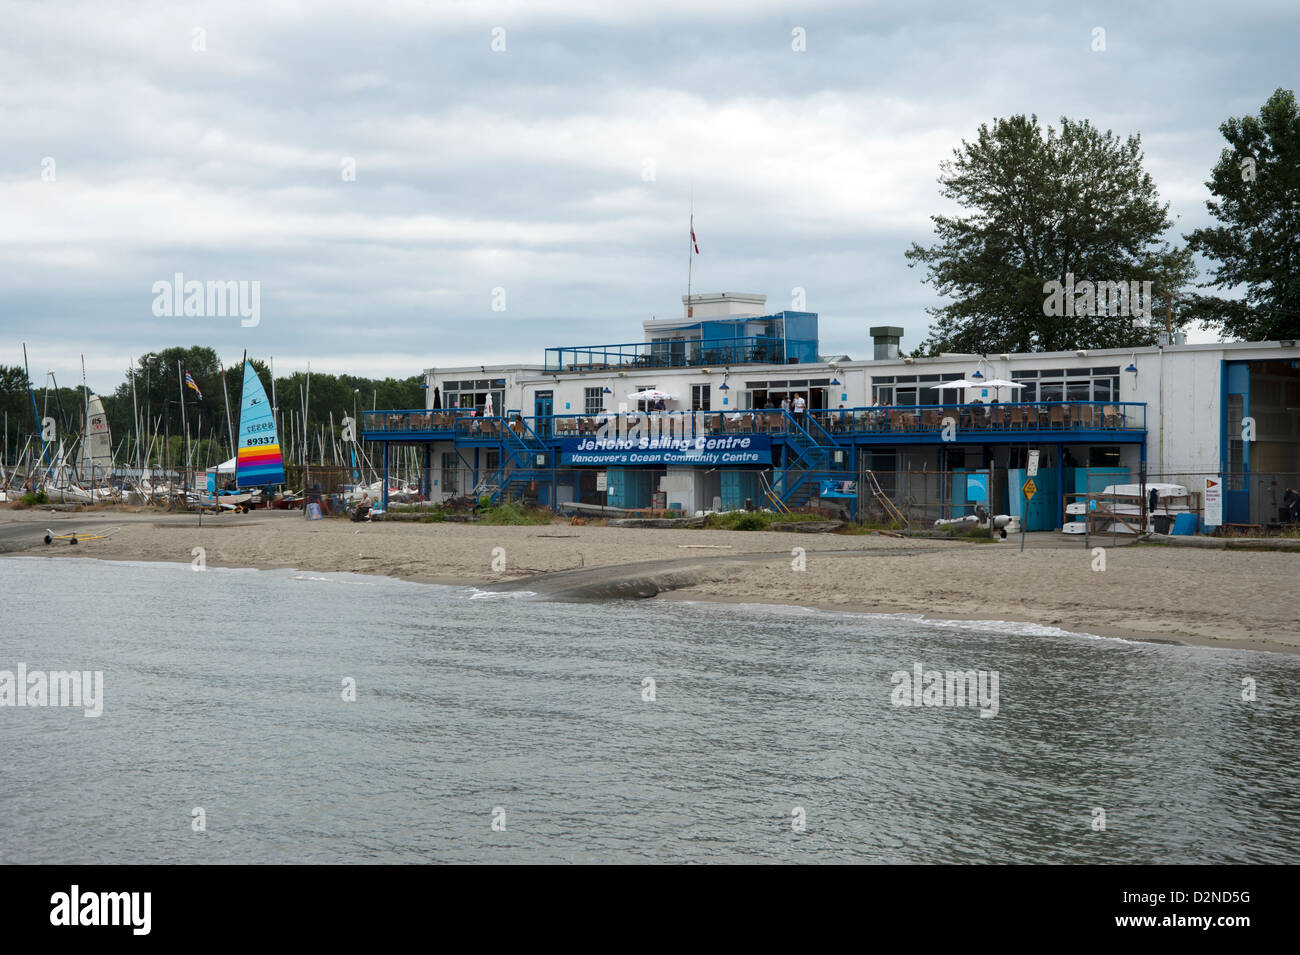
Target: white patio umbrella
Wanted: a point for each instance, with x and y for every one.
(962, 383)
(650, 394)
(1000, 383)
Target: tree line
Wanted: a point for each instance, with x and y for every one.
(151, 393)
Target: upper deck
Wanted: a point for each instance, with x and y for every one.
(1010, 422)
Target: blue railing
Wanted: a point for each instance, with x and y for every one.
(1000, 417)
(823, 427)
(675, 354)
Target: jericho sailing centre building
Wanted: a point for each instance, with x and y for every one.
(733, 403)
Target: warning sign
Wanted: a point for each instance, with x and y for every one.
(1030, 489)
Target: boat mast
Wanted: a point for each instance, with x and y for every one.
(135, 416)
(230, 424)
(85, 425)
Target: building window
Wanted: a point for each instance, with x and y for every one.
(700, 397)
(1236, 447)
(450, 472)
(593, 401)
(473, 393)
(1103, 457)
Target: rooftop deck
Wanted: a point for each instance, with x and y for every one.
(677, 354)
(1012, 422)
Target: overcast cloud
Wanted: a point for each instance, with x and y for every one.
(527, 169)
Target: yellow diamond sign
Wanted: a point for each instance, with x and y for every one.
(1030, 489)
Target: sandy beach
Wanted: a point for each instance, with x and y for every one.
(1207, 597)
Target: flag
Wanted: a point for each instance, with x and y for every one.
(189, 383)
(693, 242)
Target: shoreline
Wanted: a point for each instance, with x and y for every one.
(1189, 596)
(687, 595)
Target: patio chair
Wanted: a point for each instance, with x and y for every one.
(1056, 416)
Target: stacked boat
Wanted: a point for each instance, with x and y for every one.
(1118, 508)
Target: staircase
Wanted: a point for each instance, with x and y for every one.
(809, 462)
(515, 478)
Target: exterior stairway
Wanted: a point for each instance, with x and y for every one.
(810, 460)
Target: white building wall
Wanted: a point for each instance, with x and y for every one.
(1181, 385)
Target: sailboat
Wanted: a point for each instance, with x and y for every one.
(95, 456)
(59, 485)
(258, 463)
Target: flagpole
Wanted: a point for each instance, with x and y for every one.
(180, 386)
(690, 261)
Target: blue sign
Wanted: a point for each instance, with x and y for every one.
(976, 488)
(713, 450)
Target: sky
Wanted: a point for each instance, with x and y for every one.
(424, 184)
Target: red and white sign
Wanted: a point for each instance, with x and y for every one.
(1213, 502)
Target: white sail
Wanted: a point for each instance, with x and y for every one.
(96, 444)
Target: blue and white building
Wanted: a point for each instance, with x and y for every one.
(1096, 417)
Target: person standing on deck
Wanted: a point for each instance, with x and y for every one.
(799, 406)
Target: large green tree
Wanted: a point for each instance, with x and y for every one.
(1042, 206)
(1256, 249)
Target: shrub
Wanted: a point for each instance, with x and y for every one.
(512, 513)
(34, 500)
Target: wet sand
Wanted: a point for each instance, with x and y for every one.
(1230, 599)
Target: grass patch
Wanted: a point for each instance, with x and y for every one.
(31, 499)
(753, 520)
(512, 513)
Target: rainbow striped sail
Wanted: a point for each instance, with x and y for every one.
(258, 460)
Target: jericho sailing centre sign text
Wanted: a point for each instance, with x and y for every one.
(722, 449)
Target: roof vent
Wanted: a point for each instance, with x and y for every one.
(886, 339)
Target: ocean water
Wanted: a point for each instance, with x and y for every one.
(773, 735)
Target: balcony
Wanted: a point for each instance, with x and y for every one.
(906, 424)
(1040, 419)
(674, 354)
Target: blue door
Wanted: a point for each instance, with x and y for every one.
(542, 405)
(1236, 493)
